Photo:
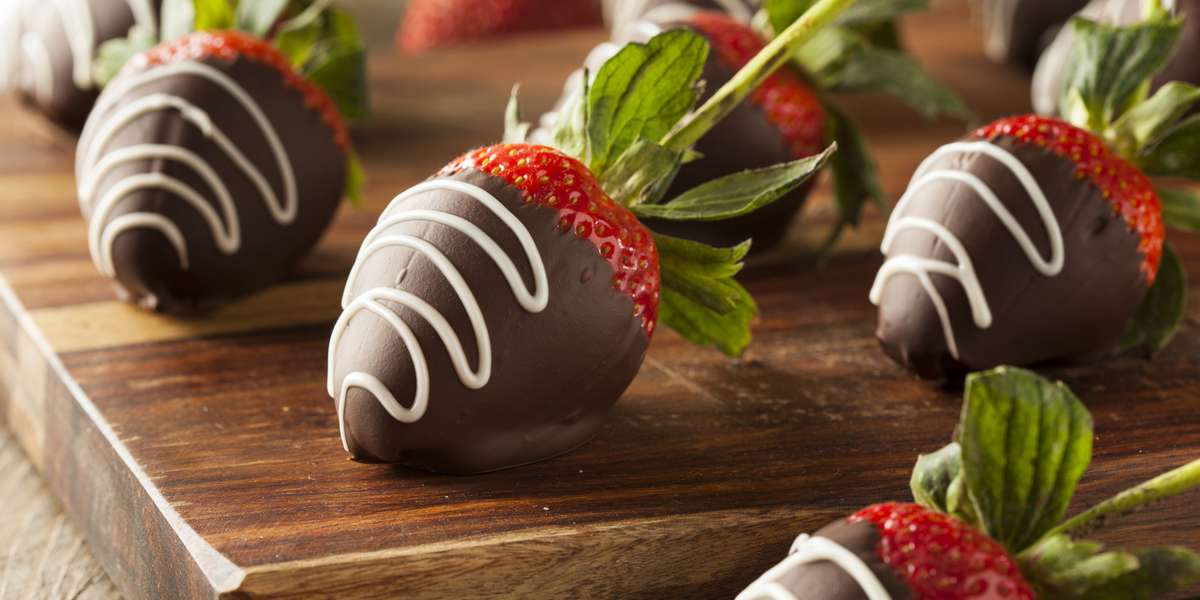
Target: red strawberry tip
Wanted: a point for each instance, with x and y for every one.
(231, 45)
(550, 178)
(785, 98)
(939, 557)
(1123, 184)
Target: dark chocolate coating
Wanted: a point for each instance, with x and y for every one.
(148, 269)
(1184, 66)
(1050, 76)
(555, 374)
(744, 140)
(825, 580)
(1016, 31)
(1075, 315)
(68, 104)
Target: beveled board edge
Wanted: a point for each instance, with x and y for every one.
(132, 529)
(150, 551)
(634, 558)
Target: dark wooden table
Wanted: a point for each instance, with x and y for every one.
(200, 457)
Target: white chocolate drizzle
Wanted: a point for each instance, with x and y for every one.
(624, 15)
(32, 68)
(94, 165)
(964, 271)
(76, 16)
(806, 550)
(37, 74)
(374, 300)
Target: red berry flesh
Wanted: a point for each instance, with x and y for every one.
(942, 558)
(230, 45)
(784, 97)
(552, 179)
(1124, 185)
(432, 23)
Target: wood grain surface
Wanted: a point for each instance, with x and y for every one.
(199, 457)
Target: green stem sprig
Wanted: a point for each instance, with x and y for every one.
(1164, 486)
(775, 55)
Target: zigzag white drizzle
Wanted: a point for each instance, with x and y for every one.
(806, 550)
(964, 271)
(80, 31)
(373, 300)
(37, 74)
(93, 164)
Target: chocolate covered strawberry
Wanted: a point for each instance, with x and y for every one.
(782, 120)
(509, 278)
(499, 309)
(894, 551)
(430, 24)
(989, 518)
(789, 115)
(47, 51)
(1016, 31)
(1034, 239)
(210, 165)
(1053, 62)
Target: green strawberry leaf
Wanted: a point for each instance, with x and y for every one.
(642, 93)
(1111, 66)
(516, 129)
(782, 13)
(1160, 573)
(1148, 121)
(1177, 153)
(1160, 314)
(212, 15)
(113, 54)
(298, 36)
(843, 60)
(1063, 568)
(738, 194)
(863, 15)
(1181, 208)
(1025, 443)
(700, 299)
(958, 502)
(641, 175)
(822, 57)
(334, 60)
(933, 476)
(855, 174)
(1066, 569)
(342, 74)
(869, 13)
(570, 130)
(258, 17)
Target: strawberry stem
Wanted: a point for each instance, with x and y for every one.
(774, 55)
(1166, 485)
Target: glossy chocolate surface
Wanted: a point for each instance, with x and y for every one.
(1016, 31)
(148, 267)
(827, 580)
(46, 66)
(554, 374)
(1075, 314)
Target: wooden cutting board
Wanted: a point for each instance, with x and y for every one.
(200, 458)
